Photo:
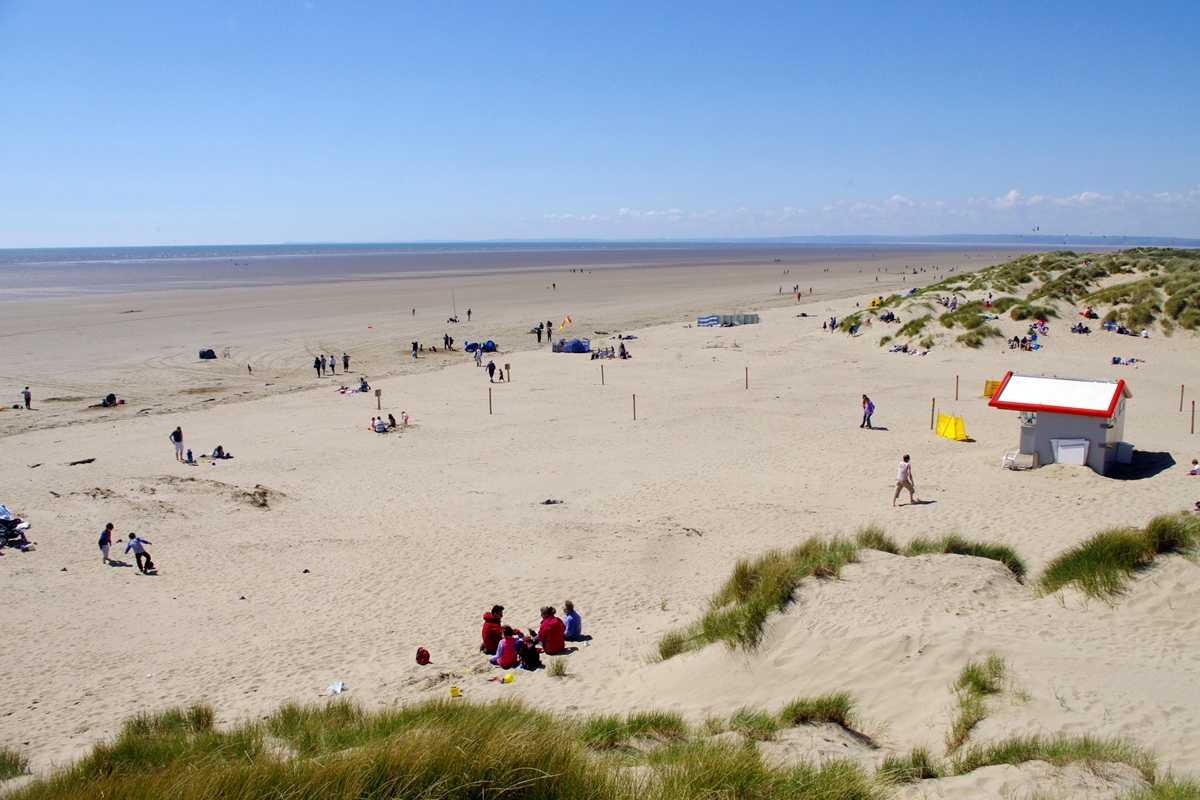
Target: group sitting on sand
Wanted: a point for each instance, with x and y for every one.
(509, 647)
(380, 425)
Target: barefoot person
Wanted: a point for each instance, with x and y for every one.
(904, 480)
(105, 542)
(177, 438)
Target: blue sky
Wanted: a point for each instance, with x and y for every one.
(206, 123)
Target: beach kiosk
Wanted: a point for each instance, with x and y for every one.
(1066, 420)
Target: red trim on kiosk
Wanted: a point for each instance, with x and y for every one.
(1080, 412)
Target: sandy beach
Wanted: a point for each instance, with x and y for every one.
(322, 552)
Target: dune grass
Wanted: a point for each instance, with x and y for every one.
(754, 723)
(957, 545)
(611, 731)
(873, 537)
(12, 763)
(435, 750)
(976, 681)
(557, 668)
(1103, 565)
(738, 612)
(836, 708)
(914, 326)
(1059, 750)
(918, 765)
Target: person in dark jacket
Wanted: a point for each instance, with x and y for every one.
(528, 653)
(492, 630)
(551, 632)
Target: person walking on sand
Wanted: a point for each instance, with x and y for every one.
(317, 366)
(491, 369)
(332, 364)
(478, 356)
(177, 438)
(904, 480)
(868, 410)
(345, 363)
(138, 545)
(28, 397)
(105, 542)
(468, 315)
(322, 364)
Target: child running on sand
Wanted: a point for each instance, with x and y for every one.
(138, 545)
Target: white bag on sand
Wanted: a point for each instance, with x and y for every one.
(337, 687)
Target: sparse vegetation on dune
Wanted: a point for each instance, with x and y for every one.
(738, 612)
(976, 681)
(1059, 750)
(1102, 565)
(873, 537)
(836, 708)
(12, 763)
(437, 750)
(917, 765)
(1140, 286)
(914, 326)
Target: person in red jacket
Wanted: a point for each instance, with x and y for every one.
(492, 630)
(551, 633)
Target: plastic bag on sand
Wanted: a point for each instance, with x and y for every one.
(337, 687)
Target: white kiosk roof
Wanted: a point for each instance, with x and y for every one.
(1089, 398)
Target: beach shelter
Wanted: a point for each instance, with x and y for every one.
(951, 427)
(1068, 420)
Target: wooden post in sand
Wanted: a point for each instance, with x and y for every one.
(932, 412)
(956, 388)
(601, 374)
(489, 400)
(747, 377)
(508, 372)
(1181, 398)
(635, 408)
(1193, 416)
(379, 400)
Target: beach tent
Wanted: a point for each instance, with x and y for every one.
(573, 346)
(207, 355)
(951, 427)
(488, 347)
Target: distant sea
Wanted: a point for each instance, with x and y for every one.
(72, 272)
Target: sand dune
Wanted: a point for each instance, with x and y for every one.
(407, 538)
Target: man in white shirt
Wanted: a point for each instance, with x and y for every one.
(904, 480)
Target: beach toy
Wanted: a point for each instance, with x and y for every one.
(454, 691)
(508, 678)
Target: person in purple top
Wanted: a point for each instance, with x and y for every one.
(868, 410)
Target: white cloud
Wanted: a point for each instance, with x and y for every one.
(1084, 212)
